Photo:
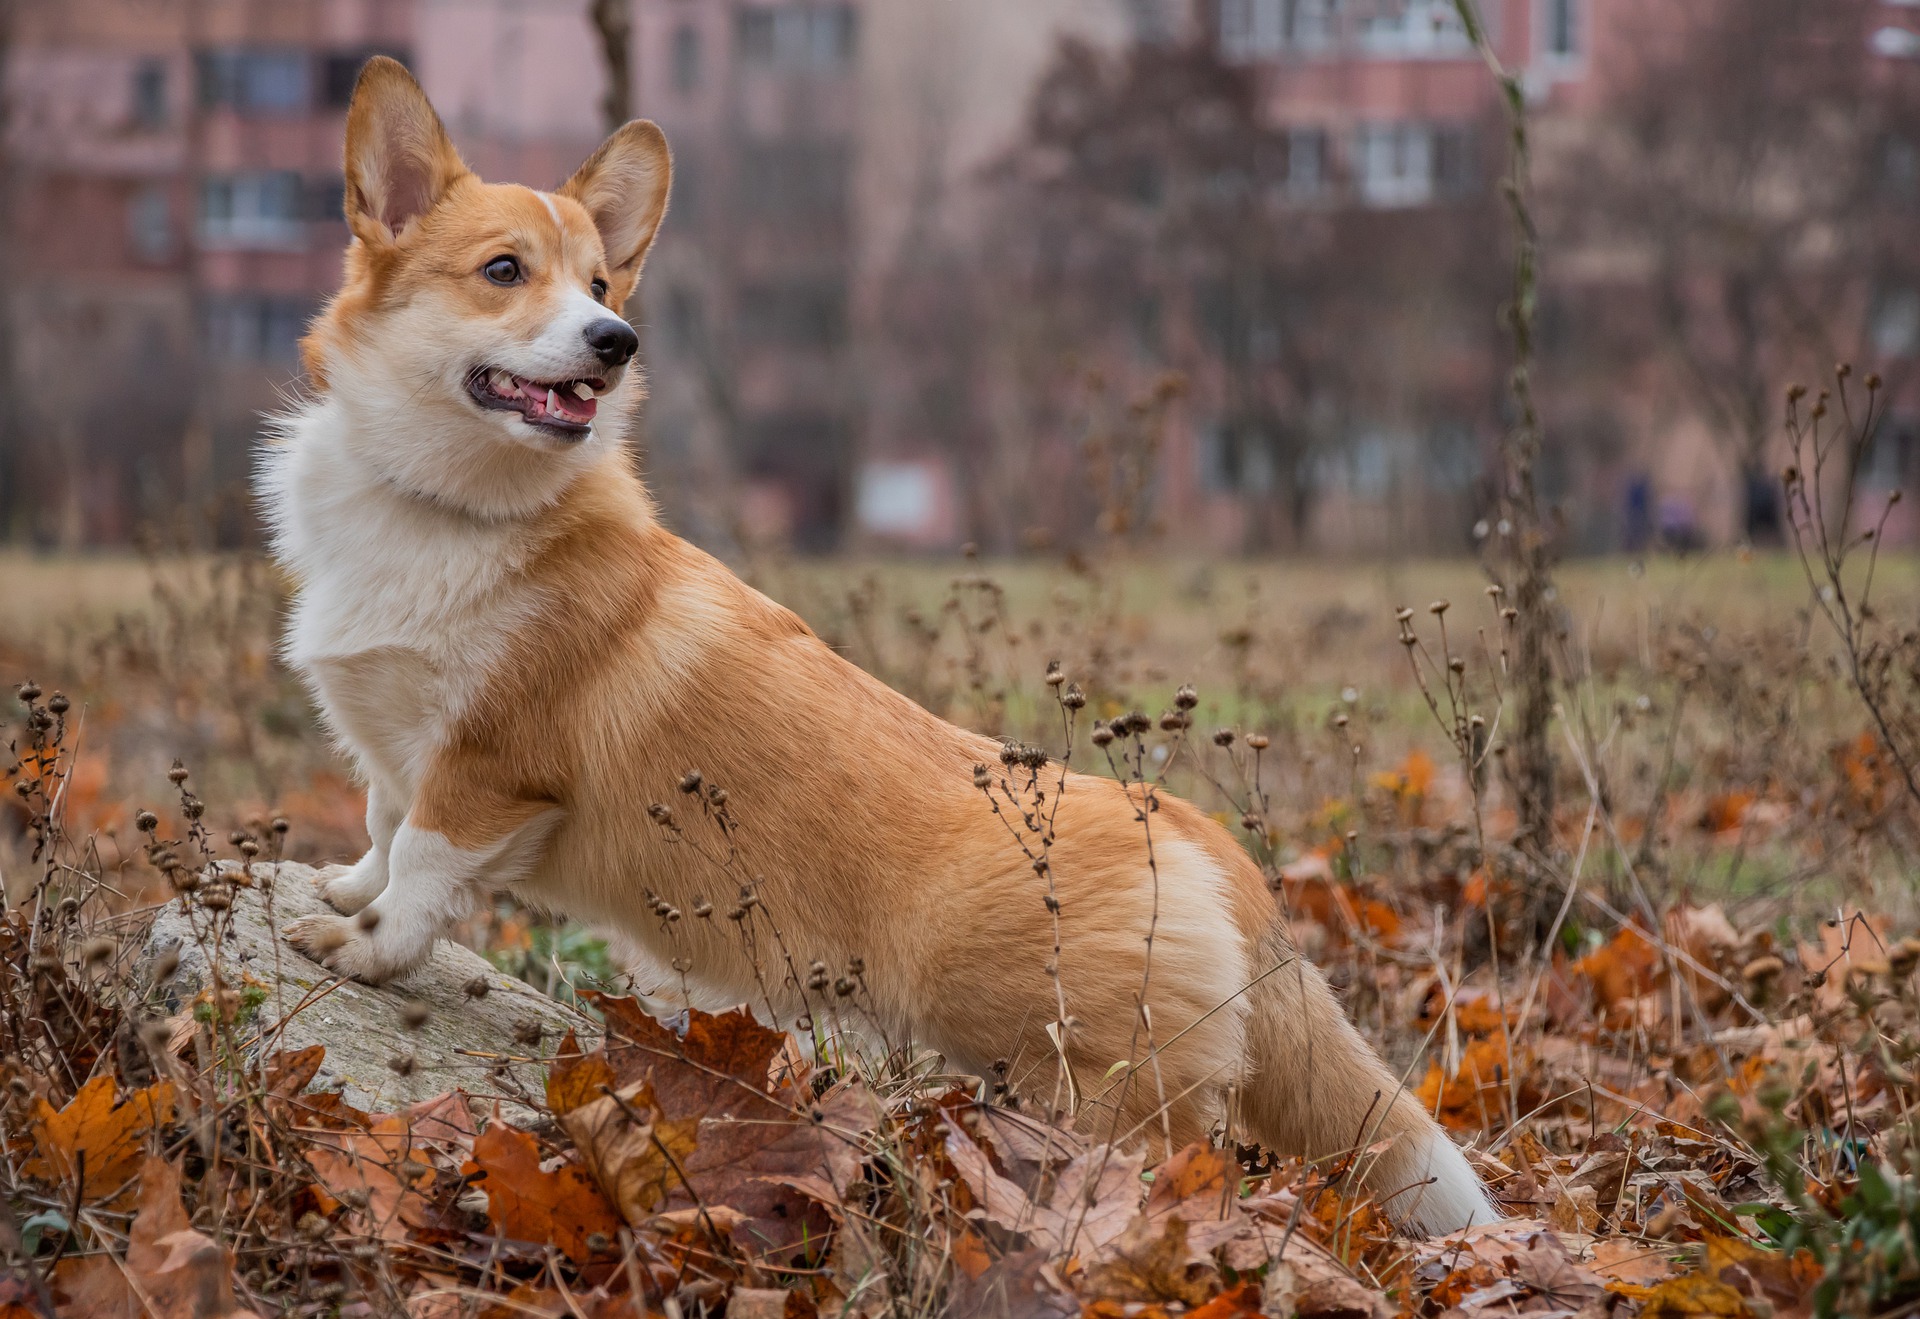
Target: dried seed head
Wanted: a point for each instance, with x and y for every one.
(1258, 741)
(1438, 607)
(599, 1243)
(401, 1064)
(529, 1031)
(59, 704)
(476, 987)
(1185, 698)
(702, 908)
(177, 775)
(690, 781)
(98, 951)
(1101, 735)
(1762, 970)
(1074, 698)
(1054, 677)
(1403, 615)
(28, 691)
(856, 966)
(1252, 823)
(843, 987)
(165, 965)
(1874, 381)
(414, 1014)
(280, 825)
(982, 777)
(1903, 957)
(1223, 737)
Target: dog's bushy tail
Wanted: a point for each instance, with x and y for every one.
(1316, 1088)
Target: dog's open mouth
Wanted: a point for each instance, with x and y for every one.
(565, 407)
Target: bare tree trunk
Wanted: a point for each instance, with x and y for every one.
(613, 21)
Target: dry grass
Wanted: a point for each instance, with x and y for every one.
(1730, 839)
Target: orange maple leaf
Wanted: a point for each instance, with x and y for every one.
(527, 1203)
(95, 1144)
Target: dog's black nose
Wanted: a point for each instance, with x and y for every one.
(614, 341)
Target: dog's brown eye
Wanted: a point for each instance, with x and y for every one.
(599, 287)
(502, 270)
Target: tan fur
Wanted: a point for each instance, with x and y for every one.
(633, 657)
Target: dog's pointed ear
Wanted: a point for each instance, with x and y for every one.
(623, 186)
(399, 160)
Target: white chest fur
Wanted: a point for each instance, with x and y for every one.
(401, 606)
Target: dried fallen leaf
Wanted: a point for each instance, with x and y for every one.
(769, 1303)
(170, 1271)
(1695, 1296)
(634, 1152)
(736, 1140)
(562, 1207)
(386, 1171)
(94, 1144)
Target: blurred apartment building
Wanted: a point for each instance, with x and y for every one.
(173, 169)
(173, 186)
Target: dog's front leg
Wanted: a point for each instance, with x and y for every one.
(351, 888)
(435, 870)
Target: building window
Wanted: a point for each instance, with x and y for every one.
(1900, 167)
(1896, 323)
(150, 224)
(256, 81)
(1416, 29)
(150, 93)
(686, 59)
(1307, 173)
(1560, 29)
(1393, 164)
(795, 179)
(801, 38)
(1412, 163)
(254, 327)
(1456, 171)
(1263, 29)
(255, 209)
(340, 70)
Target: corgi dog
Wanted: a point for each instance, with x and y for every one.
(526, 668)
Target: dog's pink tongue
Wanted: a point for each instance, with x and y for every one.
(573, 407)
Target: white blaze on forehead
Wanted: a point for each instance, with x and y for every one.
(552, 210)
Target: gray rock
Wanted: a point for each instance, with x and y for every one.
(363, 1027)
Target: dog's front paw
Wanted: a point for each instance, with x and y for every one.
(350, 888)
(347, 946)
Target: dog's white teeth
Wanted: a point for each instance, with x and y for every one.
(582, 389)
(552, 404)
(502, 382)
